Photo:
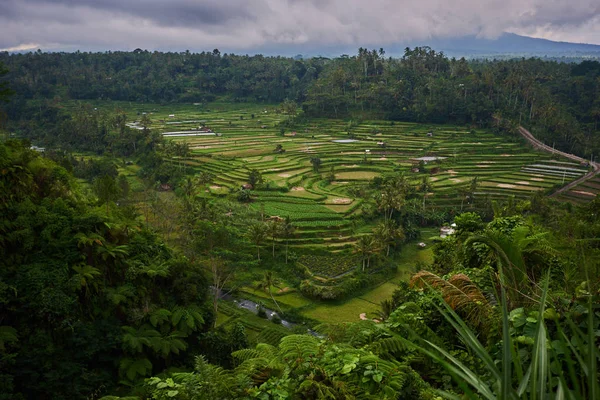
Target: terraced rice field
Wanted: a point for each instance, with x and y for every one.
(584, 192)
(244, 137)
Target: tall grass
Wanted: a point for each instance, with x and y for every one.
(512, 378)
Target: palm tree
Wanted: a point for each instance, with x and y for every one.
(424, 188)
(366, 246)
(265, 285)
(388, 234)
(257, 233)
(287, 231)
(273, 230)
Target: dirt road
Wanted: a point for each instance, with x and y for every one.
(541, 146)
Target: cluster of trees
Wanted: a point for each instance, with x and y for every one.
(558, 101)
(499, 314)
(87, 298)
(158, 77)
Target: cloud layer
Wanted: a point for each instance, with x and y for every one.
(238, 25)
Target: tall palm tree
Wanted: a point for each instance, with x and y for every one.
(366, 246)
(274, 230)
(424, 188)
(257, 233)
(265, 285)
(388, 234)
(287, 231)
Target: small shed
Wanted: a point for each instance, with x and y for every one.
(247, 186)
(429, 134)
(171, 115)
(446, 231)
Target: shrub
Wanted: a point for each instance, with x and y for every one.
(261, 312)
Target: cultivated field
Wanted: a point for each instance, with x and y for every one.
(243, 137)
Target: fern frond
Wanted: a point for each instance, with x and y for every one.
(271, 336)
(388, 346)
(458, 291)
(246, 354)
(299, 347)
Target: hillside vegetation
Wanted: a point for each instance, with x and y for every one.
(207, 226)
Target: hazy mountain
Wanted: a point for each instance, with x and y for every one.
(507, 45)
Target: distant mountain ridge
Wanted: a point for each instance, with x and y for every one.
(506, 45)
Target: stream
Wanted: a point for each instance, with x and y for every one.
(254, 307)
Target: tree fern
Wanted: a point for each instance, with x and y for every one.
(169, 343)
(132, 368)
(459, 293)
(271, 336)
(246, 354)
(135, 339)
(298, 347)
(390, 346)
(187, 319)
(120, 294)
(160, 316)
(8, 334)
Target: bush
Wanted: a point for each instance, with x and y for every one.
(275, 319)
(261, 312)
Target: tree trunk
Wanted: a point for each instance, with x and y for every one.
(258, 252)
(275, 301)
(286, 251)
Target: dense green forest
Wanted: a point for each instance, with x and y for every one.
(558, 101)
(110, 284)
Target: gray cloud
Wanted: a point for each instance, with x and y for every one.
(243, 24)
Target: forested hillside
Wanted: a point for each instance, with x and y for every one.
(208, 226)
(558, 101)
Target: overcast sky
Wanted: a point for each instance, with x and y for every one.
(246, 25)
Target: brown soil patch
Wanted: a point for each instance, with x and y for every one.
(339, 182)
(284, 290)
(350, 166)
(456, 180)
(284, 175)
(482, 166)
(433, 179)
(522, 183)
(506, 155)
(506, 185)
(583, 192)
(341, 200)
(363, 316)
(452, 172)
(215, 187)
(537, 179)
(297, 189)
